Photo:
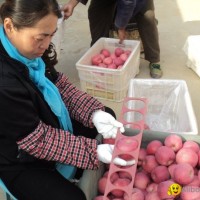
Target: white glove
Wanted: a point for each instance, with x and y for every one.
(104, 153)
(106, 124)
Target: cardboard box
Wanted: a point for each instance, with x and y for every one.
(104, 83)
(89, 180)
(169, 105)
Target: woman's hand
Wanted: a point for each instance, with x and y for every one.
(104, 152)
(106, 124)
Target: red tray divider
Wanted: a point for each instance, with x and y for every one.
(136, 124)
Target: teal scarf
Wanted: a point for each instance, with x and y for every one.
(50, 92)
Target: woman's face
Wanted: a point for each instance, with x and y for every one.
(32, 42)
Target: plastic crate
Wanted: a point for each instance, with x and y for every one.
(192, 49)
(104, 83)
(89, 181)
(169, 105)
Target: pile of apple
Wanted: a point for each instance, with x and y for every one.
(111, 60)
(161, 165)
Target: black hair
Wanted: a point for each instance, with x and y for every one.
(26, 13)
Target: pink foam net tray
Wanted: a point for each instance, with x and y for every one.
(127, 146)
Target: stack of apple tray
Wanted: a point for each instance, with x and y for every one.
(126, 146)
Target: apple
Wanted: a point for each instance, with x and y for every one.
(96, 59)
(127, 144)
(105, 52)
(174, 141)
(118, 51)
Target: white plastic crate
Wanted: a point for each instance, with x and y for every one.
(169, 105)
(105, 83)
(192, 49)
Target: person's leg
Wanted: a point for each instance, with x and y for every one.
(100, 15)
(147, 26)
(41, 184)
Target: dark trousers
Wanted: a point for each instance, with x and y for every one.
(101, 14)
(45, 183)
(41, 184)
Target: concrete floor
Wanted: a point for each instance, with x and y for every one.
(178, 19)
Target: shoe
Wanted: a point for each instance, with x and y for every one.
(155, 70)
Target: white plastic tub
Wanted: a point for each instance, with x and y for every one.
(169, 105)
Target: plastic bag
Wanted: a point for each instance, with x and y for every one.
(169, 105)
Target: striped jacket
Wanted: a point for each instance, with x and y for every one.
(29, 130)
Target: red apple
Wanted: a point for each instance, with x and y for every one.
(127, 144)
(105, 52)
(96, 59)
(173, 141)
(118, 51)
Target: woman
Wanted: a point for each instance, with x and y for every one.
(45, 120)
